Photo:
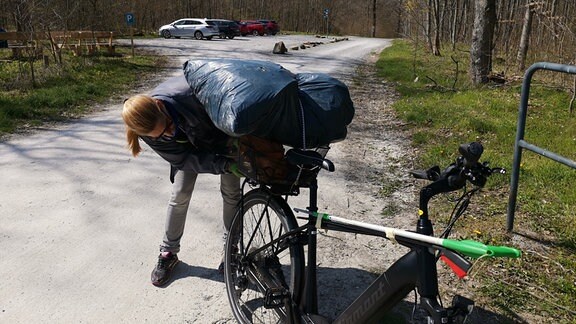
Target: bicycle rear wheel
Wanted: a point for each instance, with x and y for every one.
(263, 276)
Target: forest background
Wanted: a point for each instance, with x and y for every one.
(521, 29)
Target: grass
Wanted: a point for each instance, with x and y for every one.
(444, 110)
(67, 90)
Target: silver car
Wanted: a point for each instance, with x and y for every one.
(189, 27)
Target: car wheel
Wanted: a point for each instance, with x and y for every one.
(222, 36)
(166, 34)
(209, 37)
(198, 35)
(255, 32)
(231, 36)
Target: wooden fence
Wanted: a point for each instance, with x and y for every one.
(79, 42)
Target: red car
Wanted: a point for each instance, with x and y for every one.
(252, 27)
(270, 26)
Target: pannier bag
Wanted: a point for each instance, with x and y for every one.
(263, 160)
(263, 99)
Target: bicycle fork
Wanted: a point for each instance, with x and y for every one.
(428, 274)
(427, 271)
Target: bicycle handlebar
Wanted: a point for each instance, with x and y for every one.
(454, 177)
(465, 168)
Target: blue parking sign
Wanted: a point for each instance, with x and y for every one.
(129, 17)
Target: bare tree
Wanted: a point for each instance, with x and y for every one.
(525, 38)
(482, 35)
(436, 22)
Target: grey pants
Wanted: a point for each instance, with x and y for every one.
(180, 200)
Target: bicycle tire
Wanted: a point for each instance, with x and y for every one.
(265, 217)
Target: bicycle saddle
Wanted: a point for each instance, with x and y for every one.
(303, 158)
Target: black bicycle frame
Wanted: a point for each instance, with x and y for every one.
(384, 293)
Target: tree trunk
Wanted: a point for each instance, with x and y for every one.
(436, 32)
(428, 30)
(373, 18)
(482, 35)
(525, 38)
(454, 24)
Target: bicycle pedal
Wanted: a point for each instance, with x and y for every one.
(275, 297)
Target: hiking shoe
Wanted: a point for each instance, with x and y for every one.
(163, 270)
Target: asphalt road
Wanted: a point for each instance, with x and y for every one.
(81, 219)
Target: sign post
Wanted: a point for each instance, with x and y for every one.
(130, 19)
(325, 15)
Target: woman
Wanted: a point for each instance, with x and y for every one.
(174, 124)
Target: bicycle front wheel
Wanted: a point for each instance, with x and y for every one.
(263, 273)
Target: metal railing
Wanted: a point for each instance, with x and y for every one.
(521, 144)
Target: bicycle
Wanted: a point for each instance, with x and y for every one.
(268, 280)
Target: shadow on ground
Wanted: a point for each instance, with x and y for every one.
(339, 287)
(184, 270)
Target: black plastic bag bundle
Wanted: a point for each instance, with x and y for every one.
(324, 111)
(241, 95)
(327, 107)
(263, 99)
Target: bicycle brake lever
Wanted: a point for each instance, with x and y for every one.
(419, 174)
(479, 175)
(498, 170)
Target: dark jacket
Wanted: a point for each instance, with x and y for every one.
(198, 145)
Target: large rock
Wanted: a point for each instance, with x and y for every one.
(279, 48)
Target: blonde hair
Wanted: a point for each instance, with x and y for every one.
(140, 114)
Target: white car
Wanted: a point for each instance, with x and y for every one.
(189, 27)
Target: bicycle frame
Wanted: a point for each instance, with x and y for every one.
(417, 268)
(385, 292)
